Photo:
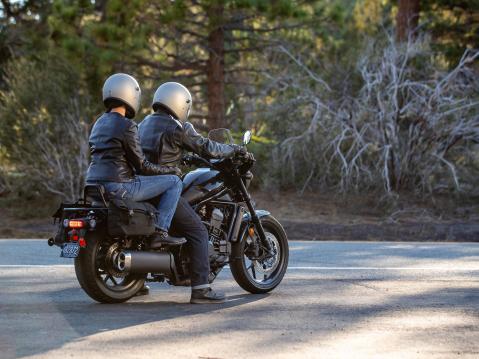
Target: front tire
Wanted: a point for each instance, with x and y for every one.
(96, 274)
(257, 276)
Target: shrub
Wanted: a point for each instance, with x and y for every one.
(409, 125)
(43, 131)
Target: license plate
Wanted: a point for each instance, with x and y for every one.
(70, 250)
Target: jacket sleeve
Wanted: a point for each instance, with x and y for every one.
(192, 141)
(136, 157)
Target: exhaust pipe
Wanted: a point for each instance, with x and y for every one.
(146, 262)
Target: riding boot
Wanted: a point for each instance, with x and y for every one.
(161, 238)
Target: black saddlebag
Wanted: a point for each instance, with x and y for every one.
(129, 218)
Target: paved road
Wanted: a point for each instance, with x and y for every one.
(338, 300)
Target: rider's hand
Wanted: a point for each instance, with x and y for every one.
(249, 156)
(240, 151)
(186, 160)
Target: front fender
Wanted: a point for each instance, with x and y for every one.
(259, 212)
(246, 220)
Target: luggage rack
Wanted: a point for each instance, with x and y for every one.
(97, 193)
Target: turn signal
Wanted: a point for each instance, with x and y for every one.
(251, 231)
(75, 223)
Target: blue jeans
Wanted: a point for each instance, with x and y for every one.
(143, 188)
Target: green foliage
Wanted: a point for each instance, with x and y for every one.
(43, 117)
(53, 51)
(27, 199)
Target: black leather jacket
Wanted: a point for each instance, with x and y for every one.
(116, 155)
(164, 139)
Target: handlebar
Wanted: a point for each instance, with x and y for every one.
(194, 160)
(197, 160)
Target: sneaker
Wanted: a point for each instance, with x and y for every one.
(206, 296)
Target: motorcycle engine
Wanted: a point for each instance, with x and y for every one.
(215, 221)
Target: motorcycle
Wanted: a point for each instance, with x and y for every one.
(112, 268)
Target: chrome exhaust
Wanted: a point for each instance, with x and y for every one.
(145, 262)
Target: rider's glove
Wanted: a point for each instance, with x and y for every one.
(249, 156)
(240, 151)
(186, 160)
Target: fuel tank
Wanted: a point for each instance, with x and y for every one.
(198, 184)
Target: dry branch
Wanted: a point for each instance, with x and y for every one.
(408, 126)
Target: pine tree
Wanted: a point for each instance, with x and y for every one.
(194, 42)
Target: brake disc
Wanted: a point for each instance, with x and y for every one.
(268, 265)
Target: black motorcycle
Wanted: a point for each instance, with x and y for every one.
(109, 240)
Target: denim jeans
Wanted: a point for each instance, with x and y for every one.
(143, 188)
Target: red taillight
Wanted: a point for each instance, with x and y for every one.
(74, 235)
(82, 242)
(76, 223)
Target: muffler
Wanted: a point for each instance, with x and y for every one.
(146, 262)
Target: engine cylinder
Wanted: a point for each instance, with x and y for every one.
(145, 262)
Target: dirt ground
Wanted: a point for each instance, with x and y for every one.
(313, 216)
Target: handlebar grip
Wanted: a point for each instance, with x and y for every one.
(195, 160)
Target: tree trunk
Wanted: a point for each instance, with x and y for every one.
(216, 70)
(407, 18)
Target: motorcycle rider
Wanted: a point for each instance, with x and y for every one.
(165, 135)
(118, 162)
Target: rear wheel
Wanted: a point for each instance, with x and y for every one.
(96, 271)
(261, 275)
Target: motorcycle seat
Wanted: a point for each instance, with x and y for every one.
(96, 194)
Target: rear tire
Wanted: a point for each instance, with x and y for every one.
(240, 267)
(91, 266)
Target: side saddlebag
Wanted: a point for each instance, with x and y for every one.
(129, 218)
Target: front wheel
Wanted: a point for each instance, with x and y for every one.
(97, 272)
(256, 275)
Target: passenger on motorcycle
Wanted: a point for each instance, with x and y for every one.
(164, 136)
(118, 162)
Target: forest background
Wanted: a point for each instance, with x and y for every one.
(357, 104)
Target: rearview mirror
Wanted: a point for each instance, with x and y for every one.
(247, 137)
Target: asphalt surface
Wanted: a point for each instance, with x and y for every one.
(338, 300)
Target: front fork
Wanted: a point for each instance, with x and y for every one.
(254, 218)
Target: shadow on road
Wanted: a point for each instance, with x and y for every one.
(72, 319)
(426, 312)
(328, 321)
